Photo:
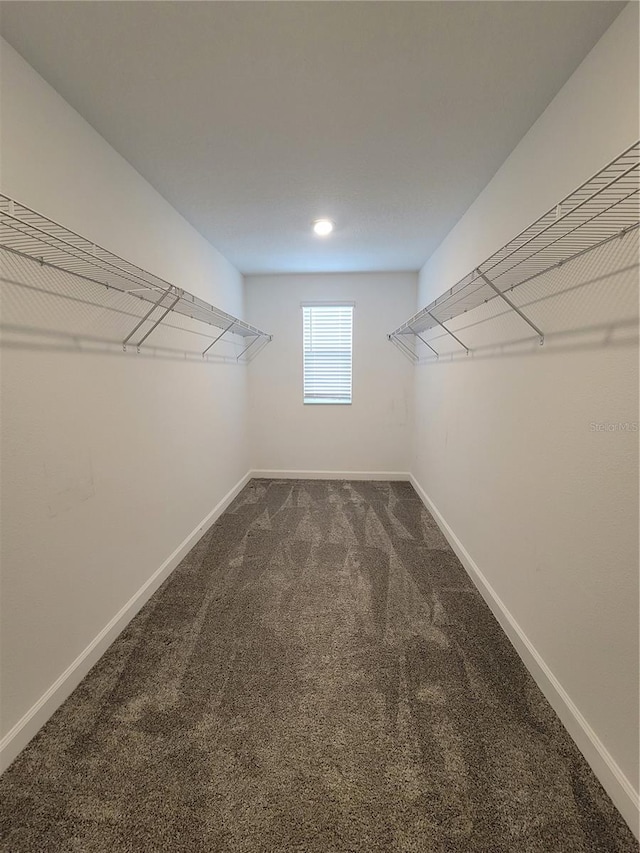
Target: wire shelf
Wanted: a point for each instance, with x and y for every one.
(603, 208)
(30, 234)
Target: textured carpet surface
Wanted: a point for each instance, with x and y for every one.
(319, 674)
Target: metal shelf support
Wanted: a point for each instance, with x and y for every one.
(449, 332)
(144, 319)
(515, 308)
(426, 343)
(159, 320)
(247, 348)
(215, 340)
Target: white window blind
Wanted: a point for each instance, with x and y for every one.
(327, 347)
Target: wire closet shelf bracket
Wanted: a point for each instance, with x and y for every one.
(602, 209)
(28, 234)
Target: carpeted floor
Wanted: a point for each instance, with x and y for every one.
(319, 674)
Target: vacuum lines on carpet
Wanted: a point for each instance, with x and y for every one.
(318, 675)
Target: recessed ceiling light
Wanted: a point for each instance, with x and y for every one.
(323, 227)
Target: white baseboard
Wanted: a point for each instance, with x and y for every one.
(26, 728)
(331, 475)
(611, 777)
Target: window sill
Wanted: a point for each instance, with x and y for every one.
(327, 402)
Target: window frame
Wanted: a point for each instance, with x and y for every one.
(328, 303)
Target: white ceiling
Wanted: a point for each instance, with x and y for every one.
(254, 118)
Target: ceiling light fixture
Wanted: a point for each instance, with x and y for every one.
(323, 227)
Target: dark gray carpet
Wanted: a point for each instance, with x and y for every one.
(319, 674)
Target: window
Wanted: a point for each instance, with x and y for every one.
(327, 346)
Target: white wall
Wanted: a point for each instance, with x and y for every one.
(109, 460)
(372, 435)
(547, 508)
